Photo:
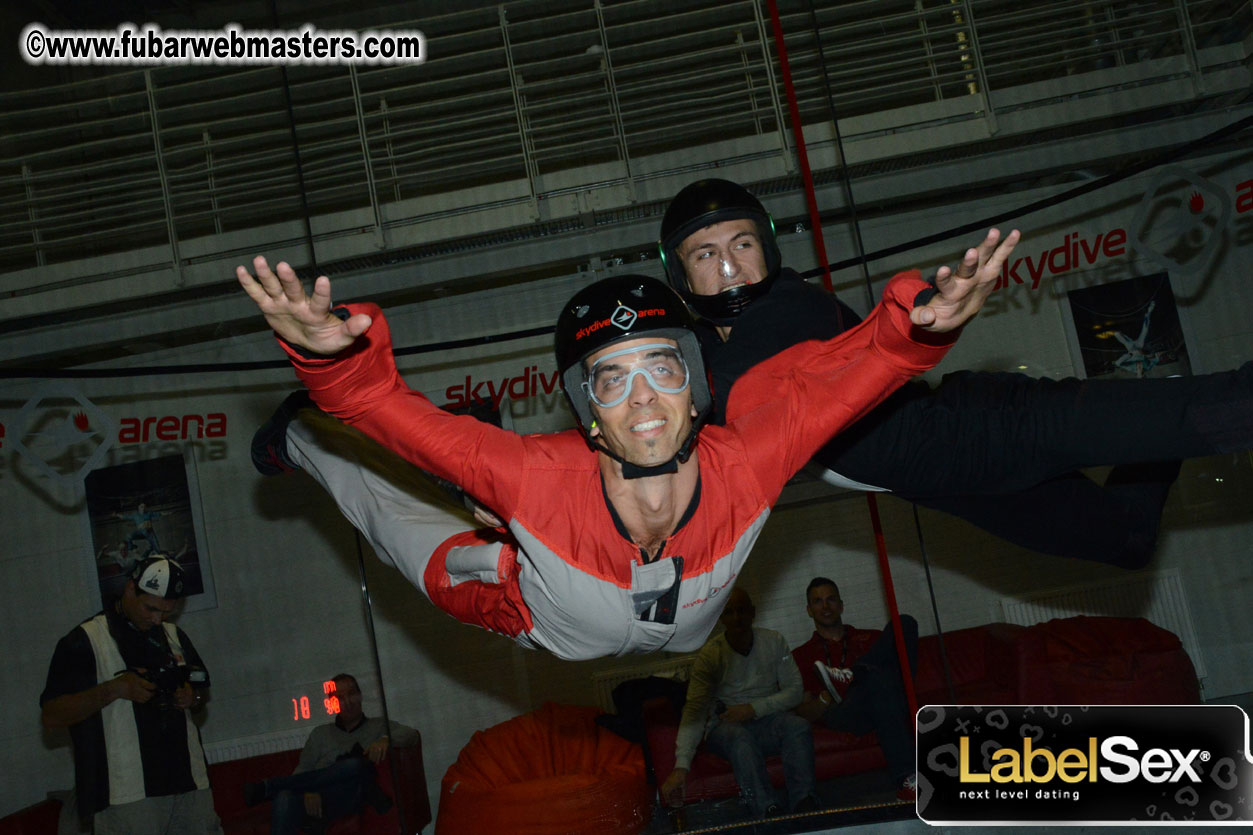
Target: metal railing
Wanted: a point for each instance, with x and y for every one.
(527, 94)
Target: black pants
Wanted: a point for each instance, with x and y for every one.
(1002, 450)
(342, 785)
(876, 701)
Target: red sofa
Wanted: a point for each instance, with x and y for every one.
(41, 818)
(1079, 660)
(408, 790)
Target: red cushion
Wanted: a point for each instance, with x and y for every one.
(553, 770)
(1108, 660)
(228, 779)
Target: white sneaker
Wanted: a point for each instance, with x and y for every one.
(829, 676)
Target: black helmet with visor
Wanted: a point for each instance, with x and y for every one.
(703, 204)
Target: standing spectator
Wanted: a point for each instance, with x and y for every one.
(125, 683)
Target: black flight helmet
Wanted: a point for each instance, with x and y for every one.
(617, 309)
(702, 204)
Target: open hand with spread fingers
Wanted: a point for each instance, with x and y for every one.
(963, 291)
(303, 320)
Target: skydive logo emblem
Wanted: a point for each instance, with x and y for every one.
(624, 317)
(1084, 764)
(62, 433)
(1179, 218)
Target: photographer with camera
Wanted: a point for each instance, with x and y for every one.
(124, 682)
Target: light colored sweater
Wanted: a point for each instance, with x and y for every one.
(766, 678)
(327, 743)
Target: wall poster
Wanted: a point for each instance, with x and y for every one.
(143, 508)
(1129, 328)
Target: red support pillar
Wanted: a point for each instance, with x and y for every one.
(820, 250)
(815, 222)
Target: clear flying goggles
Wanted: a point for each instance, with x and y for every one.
(612, 376)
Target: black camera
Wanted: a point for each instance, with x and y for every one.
(171, 676)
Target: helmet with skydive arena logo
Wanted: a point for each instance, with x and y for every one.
(617, 309)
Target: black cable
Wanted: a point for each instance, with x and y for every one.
(845, 177)
(851, 202)
(935, 609)
(217, 367)
(295, 147)
(378, 670)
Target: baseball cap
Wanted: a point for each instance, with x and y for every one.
(160, 577)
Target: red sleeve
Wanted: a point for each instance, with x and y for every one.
(791, 405)
(362, 388)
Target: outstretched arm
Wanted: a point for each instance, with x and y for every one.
(362, 388)
(302, 320)
(963, 291)
(790, 405)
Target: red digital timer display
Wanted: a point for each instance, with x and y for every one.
(330, 701)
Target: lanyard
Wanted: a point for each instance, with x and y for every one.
(826, 648)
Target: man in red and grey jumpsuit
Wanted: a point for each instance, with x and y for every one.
(629, 546)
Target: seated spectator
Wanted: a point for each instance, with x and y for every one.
(335, 774)
(852, 680)
(740, 697)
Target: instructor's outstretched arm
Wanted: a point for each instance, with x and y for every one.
(963, 291)
(303, 320)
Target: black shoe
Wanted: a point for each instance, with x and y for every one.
(808, 804)
(773, 811)
(269, 444)
(254, 793)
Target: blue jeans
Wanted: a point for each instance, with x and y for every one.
(341, 785)
(747, 744)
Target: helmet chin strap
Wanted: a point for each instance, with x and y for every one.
(630, 470)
